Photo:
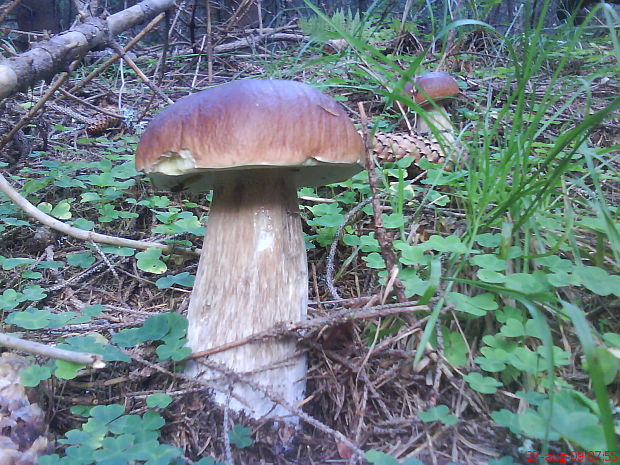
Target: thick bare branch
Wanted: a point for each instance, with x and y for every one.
(50, 57)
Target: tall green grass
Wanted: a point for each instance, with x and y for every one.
(519, 180)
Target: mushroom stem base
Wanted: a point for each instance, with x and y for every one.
(439, 119)
(252, 274)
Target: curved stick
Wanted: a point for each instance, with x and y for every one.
(36, 348)
(81, 234)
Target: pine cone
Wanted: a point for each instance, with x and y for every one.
(102, 122)
(391, 147)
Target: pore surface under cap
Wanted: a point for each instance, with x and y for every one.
(246, 125)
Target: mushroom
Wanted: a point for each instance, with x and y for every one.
(253, 142)
(430, 91)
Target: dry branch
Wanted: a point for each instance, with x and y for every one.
(330, 267)
(8, 8)
(117, 56)
(120, 51)
(81, 234)
(291, 329)
(387, 251)
(49, 57)
(252, 40)
(36, 348)
(62, 77)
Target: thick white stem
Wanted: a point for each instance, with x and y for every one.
(439, 119)
(252, 274)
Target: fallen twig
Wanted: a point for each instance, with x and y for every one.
(226, 426)
(249, 41)
(120, 51)
(36, 348)
(81, 234)
(385, 243)
(117, 56)
(291, 329)
(330, 267)
(8, 8)
(62, 77)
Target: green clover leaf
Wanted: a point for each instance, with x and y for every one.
(240, 436)
(150, 261)
(483, 384)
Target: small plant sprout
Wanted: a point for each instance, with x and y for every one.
(253, 142)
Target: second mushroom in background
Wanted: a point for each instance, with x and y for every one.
(431, 91)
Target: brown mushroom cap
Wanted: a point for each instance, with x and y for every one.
(250, 124)
(435, 86)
